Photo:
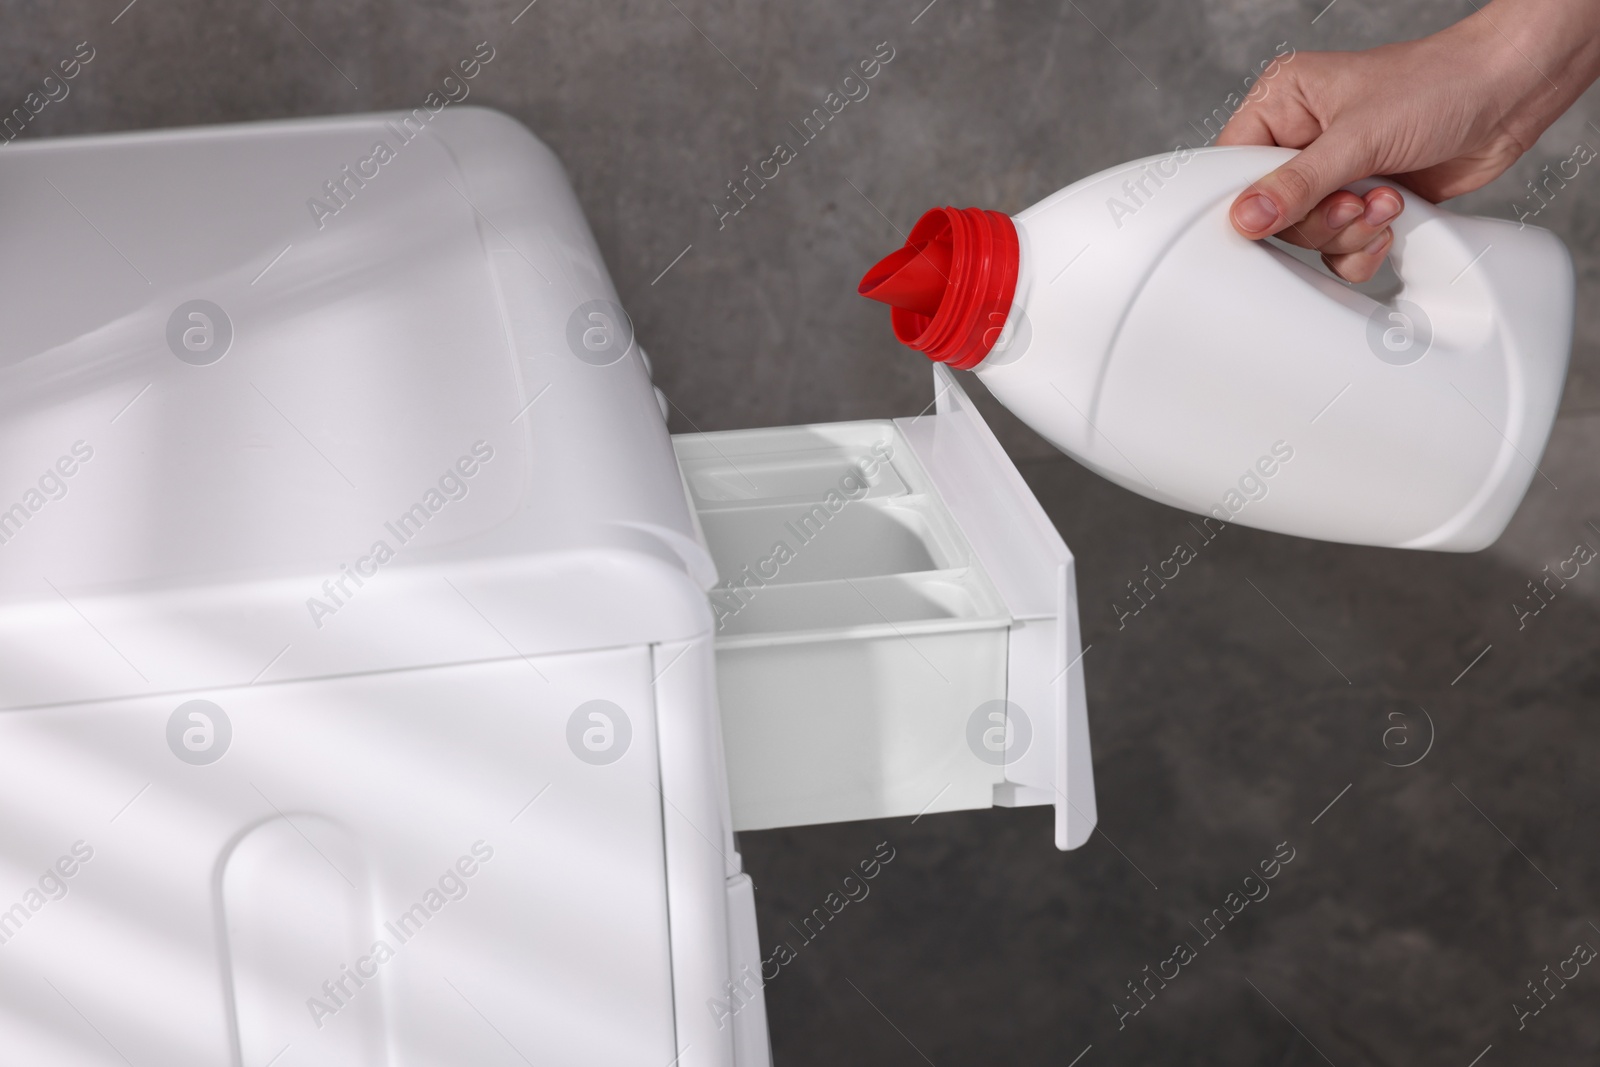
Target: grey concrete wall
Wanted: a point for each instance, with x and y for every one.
(1419, 904)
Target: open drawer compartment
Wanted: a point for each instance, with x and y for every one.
(897, 627)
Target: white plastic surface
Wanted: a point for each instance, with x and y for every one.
(746, 1001)
(220, 898)
(855, 632)
(414, 767)
(430, 317)
(367, 753)
(1031, 567)
(706, 921)
(883, 584)
(1155, 345)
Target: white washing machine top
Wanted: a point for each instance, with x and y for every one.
(293, 399)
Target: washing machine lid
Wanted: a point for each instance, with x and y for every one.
(307, 398)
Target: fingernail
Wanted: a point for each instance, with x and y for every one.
(1256, 213)
(1344, 213)
(1377, 244)
(1382, 210)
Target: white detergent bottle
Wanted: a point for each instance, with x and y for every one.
(1126, 321)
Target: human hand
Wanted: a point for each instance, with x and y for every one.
(1443, 115)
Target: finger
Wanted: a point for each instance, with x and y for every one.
(1277, 118)
(1349, 224)
(1248, 126)
(1361, 266)
(1291, 192)
(1327, 222)
(1379, 210)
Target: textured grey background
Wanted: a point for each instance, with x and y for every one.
(1412, 915)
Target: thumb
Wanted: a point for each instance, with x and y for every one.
(1288, 194)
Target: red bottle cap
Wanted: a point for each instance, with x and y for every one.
(951, 285)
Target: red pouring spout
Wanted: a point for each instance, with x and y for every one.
(951, 285)
(913, 277)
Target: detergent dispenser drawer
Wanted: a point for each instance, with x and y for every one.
(896, 622)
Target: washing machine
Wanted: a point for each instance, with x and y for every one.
(382, 684)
